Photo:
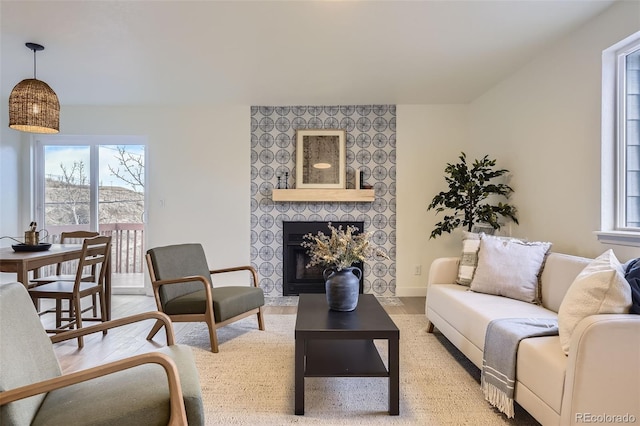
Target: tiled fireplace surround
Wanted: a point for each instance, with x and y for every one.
(371, 147)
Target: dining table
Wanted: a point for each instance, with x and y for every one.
(22, 262)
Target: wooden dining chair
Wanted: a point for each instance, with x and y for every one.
(71, 237)
(67, 238)
(95, 252)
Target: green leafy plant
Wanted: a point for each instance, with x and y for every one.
(469, 186)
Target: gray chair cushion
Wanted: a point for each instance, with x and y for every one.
(138, 396)
(26, 353)
(231, 301)
(178, 261)
(227, 302)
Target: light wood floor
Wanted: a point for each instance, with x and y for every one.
(129, 340)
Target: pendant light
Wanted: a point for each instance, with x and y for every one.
(33, 105)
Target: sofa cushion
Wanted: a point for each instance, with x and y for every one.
(470, 312)
(599, 289)
(541, 366)
(509, 267)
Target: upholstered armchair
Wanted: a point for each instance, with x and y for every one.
(183, 289)
(156, 388)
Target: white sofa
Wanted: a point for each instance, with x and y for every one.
(597, 381)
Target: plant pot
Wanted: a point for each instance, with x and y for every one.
(342, 288)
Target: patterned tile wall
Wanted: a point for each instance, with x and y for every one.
(371, 147)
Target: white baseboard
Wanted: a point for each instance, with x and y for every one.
(411, 291)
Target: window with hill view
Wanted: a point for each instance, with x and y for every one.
(91, 184)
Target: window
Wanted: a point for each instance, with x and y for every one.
(621, 143)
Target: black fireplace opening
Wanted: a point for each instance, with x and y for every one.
(297, 278)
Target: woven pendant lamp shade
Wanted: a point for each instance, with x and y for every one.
(34, 107)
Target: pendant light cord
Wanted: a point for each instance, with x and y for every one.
(34, 64)
(35, 47)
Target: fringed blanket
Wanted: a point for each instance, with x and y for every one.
(501, 342)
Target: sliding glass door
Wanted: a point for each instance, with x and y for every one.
(95, 184)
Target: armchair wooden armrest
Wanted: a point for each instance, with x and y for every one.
(254, 273)
(161, 320)
(178, 413)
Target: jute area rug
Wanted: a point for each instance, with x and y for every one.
(250, 381)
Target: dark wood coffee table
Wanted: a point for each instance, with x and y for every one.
(340, 344)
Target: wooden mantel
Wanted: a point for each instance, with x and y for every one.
(344, 195)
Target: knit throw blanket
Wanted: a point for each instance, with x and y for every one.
(498, 377)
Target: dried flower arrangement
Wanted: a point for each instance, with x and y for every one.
(341, 249)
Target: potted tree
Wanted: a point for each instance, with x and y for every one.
(469, 186)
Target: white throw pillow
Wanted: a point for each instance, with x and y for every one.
(509, 267)
(599, 289)
(469, 257)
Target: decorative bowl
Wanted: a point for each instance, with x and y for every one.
(26, 247)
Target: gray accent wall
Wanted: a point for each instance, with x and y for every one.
(371, 147)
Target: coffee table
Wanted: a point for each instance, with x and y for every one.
(340, 344)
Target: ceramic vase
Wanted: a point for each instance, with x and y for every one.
(342, 288)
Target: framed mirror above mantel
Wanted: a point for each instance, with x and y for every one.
(337, 195)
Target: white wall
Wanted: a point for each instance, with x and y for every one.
(9, 184)
(15, 214)
(428, 136)
(543, 124)
(14, 173)
(198, 165)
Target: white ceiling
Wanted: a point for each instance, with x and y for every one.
(278, 52)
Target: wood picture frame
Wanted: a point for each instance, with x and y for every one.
(320, 158)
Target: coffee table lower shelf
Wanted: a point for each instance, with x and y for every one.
(343, 358)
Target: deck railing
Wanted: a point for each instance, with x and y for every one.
(127, 245)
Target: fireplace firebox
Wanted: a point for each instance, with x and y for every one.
(297, 278)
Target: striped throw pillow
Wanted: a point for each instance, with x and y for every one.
(469, 258)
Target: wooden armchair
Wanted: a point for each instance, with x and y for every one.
(156, 388)
(182, 287)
